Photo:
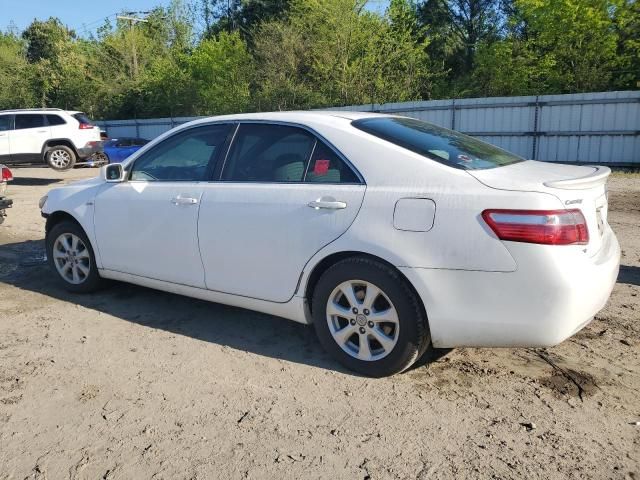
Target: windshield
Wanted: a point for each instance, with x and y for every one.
(437, 143)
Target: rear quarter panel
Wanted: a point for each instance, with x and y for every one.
(459, 239)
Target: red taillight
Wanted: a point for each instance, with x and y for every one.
(548, 227)
(85, 126)
(6, 175)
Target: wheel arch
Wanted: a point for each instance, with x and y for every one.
(330, 260)
(53, 142)
(60, 216)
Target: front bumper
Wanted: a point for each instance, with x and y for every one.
(554, 292)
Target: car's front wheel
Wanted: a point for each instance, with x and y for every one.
(367, 316)
(71, 257)
(61, 157)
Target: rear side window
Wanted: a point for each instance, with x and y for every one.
(268, 153)
(82, 118)
(24, 121)
(327, 167)
(439, 144)
(54, 120)
(185, 156)
(5, 122)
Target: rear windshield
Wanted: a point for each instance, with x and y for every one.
(82, 118)
(437, 143)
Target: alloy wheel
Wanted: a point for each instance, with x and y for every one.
(71, 258)
(362, 320)
(60, 158)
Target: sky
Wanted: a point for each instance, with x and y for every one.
(82, 16)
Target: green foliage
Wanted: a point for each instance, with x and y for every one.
(334, 52)
(221, 69)
(219, 56)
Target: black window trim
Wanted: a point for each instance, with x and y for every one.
(317, 136)
(212, 164)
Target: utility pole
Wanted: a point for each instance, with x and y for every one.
(134, 52)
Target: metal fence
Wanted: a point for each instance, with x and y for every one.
(578, 128)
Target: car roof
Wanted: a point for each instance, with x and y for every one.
(297, 116)
(39, 110)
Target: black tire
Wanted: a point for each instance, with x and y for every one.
(92, 281)
(61, 158)
(102, 158)
(413, 337)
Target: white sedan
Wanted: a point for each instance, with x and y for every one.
(390, 235)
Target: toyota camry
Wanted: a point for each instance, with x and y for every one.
(388, 234)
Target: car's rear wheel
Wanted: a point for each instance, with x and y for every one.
(368, 317)
(71, 257)
(61, 157)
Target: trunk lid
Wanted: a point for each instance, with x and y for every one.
(577, 187)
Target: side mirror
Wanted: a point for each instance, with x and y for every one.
(112, 173)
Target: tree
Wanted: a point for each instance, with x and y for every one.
(576, 37)
(456, 28)
(16, 89)
(221, 70)
(335, 52)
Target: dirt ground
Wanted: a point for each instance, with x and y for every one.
(132, 383)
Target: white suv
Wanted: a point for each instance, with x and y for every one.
(59, 137)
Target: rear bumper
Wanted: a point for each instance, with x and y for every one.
(89, 150)
(554, 292)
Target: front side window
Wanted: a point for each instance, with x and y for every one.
(437, 143)
(24, 121)
(5, 122)
(268, 153)
(185, 156)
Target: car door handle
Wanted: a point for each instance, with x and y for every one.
(327, 204)
(180, 200)
(42, 131)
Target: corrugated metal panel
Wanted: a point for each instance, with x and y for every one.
(602, 127)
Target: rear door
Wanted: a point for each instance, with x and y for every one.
(58, 125)
(6, 123)
(28, 136)
(282, 195)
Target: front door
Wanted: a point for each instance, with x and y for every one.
(147, 225)
(283, 195)
(28, 136)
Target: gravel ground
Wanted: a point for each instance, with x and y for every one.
(135, 383)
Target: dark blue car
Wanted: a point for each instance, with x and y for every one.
(118, 149)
